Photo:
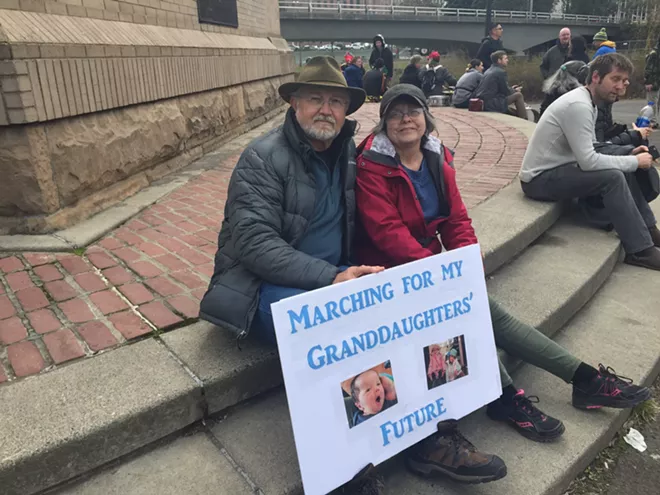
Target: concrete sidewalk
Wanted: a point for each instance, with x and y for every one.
(148, 274)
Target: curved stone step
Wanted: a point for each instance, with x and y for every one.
(615, 319)
(555, 277)
(214, 375)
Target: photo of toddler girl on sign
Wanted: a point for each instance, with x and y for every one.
(369, 393)
(445, 362)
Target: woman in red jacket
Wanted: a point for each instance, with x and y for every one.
(410, 207)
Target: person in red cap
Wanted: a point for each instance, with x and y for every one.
(435, 76)
(348, 58)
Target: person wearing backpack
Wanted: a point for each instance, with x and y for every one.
(436, 76)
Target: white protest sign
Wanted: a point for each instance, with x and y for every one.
(372, 365)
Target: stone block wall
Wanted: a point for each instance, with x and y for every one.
(98, 98)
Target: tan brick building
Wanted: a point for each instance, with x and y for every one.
(98, 98)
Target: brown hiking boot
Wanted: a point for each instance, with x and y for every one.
(649, 258)
(449, 453)
(366, 482)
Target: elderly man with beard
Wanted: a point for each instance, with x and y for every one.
(290, 210)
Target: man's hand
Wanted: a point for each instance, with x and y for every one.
(517, 88)
(644, 160)
(649, 88)
(640, 149)
(354, 272)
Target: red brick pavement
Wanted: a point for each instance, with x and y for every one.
(149, 274)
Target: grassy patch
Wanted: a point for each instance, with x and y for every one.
(79, 251)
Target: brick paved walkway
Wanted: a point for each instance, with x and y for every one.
(149, 274)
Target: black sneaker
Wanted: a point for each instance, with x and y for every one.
(608, 390)
(525, 417)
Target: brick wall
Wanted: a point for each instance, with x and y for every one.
(255, 17)
(54, 66)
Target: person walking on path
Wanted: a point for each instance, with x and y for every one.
(495, 91)
(652, 77)
(578, 50)
(602, 44)
(468, 84)
(382, 51)
(561, 163)
(412, 72)
(557, 55)
(491, 43)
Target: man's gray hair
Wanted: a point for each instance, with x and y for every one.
(430, 123)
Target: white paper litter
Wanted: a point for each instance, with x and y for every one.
(636, 440)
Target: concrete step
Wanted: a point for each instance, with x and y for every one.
(611, 328)
(555, 277)
(188, 464)
(97, 410)
(615, 326)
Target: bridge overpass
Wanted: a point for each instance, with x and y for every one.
(424, 26)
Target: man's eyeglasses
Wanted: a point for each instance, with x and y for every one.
(335, 102)
(399, 115)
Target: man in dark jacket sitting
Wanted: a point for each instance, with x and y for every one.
(290, 211)
(412, 72)
(495, 91)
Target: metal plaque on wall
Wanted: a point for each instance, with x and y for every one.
(222, 12)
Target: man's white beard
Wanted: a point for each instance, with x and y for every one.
(320, 134)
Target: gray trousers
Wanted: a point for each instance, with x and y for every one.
(528, 344)
(625, 205)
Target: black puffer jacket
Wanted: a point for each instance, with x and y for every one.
(411, 75)
(269, 207)
(487, 47)
(618, 134)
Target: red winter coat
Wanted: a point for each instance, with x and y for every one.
(392, 229)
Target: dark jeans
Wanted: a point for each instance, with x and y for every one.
(518, 339)
(624, 204)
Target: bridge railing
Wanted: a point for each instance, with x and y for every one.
(298, 8)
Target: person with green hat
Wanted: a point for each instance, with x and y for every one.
(602, 44)
(290, 212)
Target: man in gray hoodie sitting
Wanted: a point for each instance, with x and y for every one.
(561, 162)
